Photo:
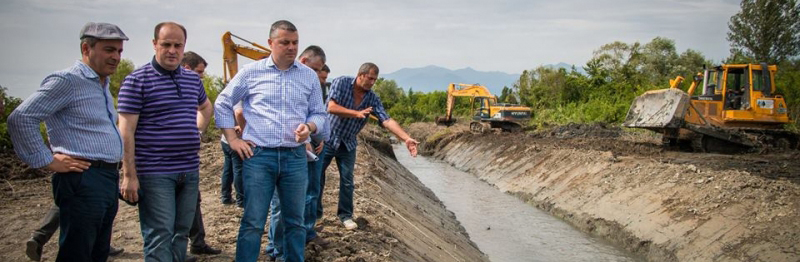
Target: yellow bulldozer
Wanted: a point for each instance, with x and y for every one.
(488, 113)
(735, 110)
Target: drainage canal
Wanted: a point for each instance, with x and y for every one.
(504, 227)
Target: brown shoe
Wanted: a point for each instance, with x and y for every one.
(319, 242)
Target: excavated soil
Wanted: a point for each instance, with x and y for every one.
(621, 185)
(399, 218)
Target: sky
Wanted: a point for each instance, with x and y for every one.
(42, 36)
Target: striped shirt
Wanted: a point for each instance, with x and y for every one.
(79, 114)
(274, 102)
(343, 129)
(167, 138)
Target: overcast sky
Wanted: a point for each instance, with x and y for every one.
(41, 36)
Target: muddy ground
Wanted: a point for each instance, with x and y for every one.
(621, 185)
(399, 219)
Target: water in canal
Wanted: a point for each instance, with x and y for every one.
(504, 227)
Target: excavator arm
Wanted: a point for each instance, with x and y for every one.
(456, 90)
(231, 51)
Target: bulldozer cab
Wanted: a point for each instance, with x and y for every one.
(740, 95)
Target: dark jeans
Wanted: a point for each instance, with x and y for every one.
(197, 234)
(87, 203)
(346, 161)
(271, 169)
(231, 174)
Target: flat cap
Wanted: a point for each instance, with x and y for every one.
(102, 31)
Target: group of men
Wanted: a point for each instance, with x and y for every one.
(273, 117)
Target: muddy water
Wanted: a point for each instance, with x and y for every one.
(504, 227)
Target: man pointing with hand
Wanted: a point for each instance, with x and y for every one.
(351, 101)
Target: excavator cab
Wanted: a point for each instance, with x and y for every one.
(481, 107)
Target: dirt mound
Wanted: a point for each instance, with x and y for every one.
(574, 130)
(399, 219)
(12, 168)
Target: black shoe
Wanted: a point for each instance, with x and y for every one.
(227, 202)
(33, 250)
(113, 251)
(206, 249)
(190, 258)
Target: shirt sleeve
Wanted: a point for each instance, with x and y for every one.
(131, 96)
(202, 97)
(378, 110)
(54, 95)
(337, 90)
(316, 109)
(236, 90)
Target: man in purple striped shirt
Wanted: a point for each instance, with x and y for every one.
(160, 125)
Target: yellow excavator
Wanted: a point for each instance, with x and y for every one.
(736, 110)
(488, 113)
(231, 50)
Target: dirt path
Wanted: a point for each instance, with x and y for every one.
(399, 219)
(666, 206)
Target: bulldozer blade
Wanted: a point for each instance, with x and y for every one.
(658, 110)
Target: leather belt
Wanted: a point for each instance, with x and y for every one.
(103, 164)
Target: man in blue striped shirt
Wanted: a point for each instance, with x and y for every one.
(86, 145)
(162, 108)
(313, 57)
(282, 103)
(350, 103)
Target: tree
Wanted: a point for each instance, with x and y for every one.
(9, 104)
(766, 30)
(388, 91)
(124, 68)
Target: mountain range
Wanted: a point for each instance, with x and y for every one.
(433, 78)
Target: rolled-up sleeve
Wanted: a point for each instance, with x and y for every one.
(378, 110)
(234, 92)
(23, 124)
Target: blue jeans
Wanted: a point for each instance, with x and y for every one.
(346, 161)
(275, 234)
(267, 171)
(231, 174)
(88, 204)
(166, 212)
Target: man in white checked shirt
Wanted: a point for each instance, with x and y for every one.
(282, 103)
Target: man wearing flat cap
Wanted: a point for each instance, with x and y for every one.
(85, 144)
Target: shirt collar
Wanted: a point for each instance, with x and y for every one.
(163, 71)
(87, 71)
(271, 63)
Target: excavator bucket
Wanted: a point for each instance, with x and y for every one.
(442, 121)
(658, 110)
